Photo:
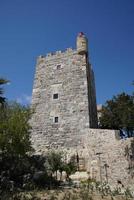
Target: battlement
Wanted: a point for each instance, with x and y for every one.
(81, 48)
(57, 53)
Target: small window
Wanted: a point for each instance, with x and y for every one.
(56, 119)
(58, 66)
(55, 96)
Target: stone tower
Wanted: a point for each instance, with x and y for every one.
(63, 99)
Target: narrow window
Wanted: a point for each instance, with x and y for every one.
(55, 96)
(56, 119)
(58, 66)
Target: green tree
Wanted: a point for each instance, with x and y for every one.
(2, 82)
(133, 85)
(15, 129)
(70, 167)
(55, 161)
(118, 113)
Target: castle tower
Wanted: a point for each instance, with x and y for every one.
(63, 97)
(82, 44)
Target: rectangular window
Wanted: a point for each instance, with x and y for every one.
(58, 66)
(56, 119)
(55, 96)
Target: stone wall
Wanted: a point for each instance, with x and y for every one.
(67, 74)
(107, 157)
(101, 153)
(69, 81)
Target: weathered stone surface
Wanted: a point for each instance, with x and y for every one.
(108, 158)
(69, 74)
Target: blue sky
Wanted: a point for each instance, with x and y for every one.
(29, 28)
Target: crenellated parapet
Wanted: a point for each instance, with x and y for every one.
(53, 55)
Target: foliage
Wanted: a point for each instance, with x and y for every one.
(84, 195)
(118, 113)
(25, 196)
(14, 145)
(25, 172)
(2, 82)
(56, 162)
(70, 167)
(15, 129)
(73, 194)
(128, 193)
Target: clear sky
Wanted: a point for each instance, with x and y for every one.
(29, 28)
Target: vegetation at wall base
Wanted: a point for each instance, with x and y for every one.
(82, 193)
(19, 168)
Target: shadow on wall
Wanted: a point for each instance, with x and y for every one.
(129, 153)
(126, 133)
